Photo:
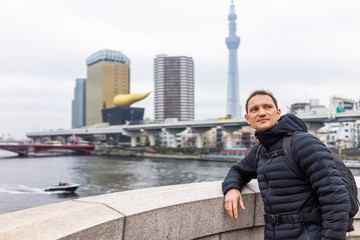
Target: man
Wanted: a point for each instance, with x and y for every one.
(284, 193)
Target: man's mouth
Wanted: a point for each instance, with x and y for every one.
(262, 120)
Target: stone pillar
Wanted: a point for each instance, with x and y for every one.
(313, 127)
(230, 131)
(31, 151)
(133, 134)
(173, 133)
(200, 136)
(151, 134)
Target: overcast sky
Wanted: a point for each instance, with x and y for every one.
(299, 50)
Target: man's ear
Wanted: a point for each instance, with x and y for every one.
(279, 113)
(247, 118)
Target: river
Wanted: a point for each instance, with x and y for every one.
(23, 179)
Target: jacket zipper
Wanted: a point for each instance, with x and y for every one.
(267, 192)
(267, 184)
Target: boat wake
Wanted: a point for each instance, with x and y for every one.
(19, 189)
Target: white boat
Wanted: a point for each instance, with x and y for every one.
(63, 187)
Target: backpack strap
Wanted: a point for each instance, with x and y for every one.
(286, 152)
(273, 154)
(257, 155)
(314, 216)
(289, 157)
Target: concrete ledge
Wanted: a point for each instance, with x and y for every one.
(189, 211)
(58, 220)
(176, 212)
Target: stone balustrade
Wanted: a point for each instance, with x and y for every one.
(188, 211)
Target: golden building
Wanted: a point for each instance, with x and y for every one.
(108, 74)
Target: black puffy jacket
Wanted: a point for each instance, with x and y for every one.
(284, 193)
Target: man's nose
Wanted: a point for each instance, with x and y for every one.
(261, 111)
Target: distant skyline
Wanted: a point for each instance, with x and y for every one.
(299, 50)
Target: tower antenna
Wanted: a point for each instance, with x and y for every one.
(232, 42)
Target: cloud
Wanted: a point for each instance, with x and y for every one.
(299, 50)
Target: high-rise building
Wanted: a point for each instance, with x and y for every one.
(232, 42)
(78, 106)
(108, 74)
(174, 87)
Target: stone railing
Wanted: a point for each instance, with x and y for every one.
(189, 211)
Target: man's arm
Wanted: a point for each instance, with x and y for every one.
(239, 175)
(232, 198)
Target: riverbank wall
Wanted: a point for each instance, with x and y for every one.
(187, 211)
(355, 163)
(135, 153)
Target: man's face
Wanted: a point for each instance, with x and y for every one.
(262, 113)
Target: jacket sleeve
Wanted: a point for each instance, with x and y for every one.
(241, 172)
(320, 170)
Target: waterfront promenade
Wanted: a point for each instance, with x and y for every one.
(188, 211)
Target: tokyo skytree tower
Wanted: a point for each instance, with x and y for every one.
(232, 42)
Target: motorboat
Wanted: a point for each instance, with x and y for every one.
(65, 187)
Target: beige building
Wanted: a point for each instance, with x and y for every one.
(189, 139)
(210, 138)
(108, 74)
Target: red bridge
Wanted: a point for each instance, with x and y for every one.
(30, 149)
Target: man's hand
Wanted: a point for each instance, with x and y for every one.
(232, 198)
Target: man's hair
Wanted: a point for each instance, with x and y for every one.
(260, 92)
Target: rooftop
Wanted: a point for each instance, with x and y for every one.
(108, 55)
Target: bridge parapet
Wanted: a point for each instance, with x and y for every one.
(29, 149)
(189, 211)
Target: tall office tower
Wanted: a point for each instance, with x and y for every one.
(232, 42)
(174, 87)
(78, 106)
(108, 74)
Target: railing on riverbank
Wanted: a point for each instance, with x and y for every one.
(189, 211)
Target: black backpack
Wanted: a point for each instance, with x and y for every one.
(345, 173)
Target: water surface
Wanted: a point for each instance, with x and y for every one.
(22, 180)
